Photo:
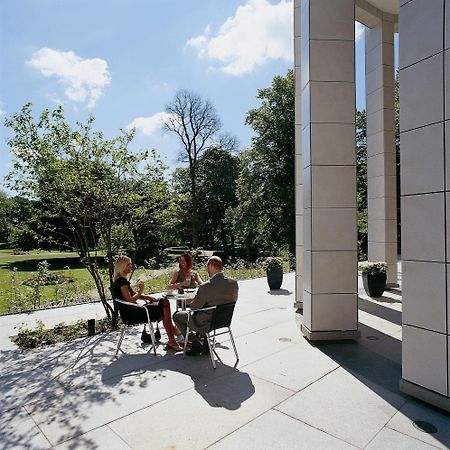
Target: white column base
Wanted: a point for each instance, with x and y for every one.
(424, 394)
(335, 335)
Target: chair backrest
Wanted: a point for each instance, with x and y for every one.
(222, 316)
(131, 314)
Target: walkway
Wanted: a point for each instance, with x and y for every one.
(285, 394)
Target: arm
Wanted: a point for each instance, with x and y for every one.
(198, 278)
(131, 296)
(201, 298)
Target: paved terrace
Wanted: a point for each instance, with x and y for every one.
(286, 393)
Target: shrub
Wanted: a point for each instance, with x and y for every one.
(273, 263)
(373, 268)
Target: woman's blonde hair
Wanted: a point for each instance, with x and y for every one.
(119, 266)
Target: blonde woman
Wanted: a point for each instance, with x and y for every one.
(122, 290)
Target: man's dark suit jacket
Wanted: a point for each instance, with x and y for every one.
(217, 291)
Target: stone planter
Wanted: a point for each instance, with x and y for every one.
(374, 285)
(275, 279)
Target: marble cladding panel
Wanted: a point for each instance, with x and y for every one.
(382, 98)
(382, 54)
(332, 102)
(381, 164)
(381, 120)
(382, 251)
(384, 186)
(382, 208)
(334, 312)
(381, 76)
(333, 144)
(332, 19)
(334, 229)
(332, 60)
(424, 291)
(421, 91)
(423, 229)
(421, 25)
(381, 142)
(383, 230)
(424, 358)
(422, 160)
(333, 186)
(334, 272)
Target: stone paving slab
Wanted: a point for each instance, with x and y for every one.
(198, 418)
(274, 430)
(343, 406)
(285, 393)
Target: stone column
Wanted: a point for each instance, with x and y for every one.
(330, 309)
(381, 166)
(298, 160)
(425, 198)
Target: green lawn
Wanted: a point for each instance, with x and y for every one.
(15, 295)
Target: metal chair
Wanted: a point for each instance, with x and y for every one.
(134, 314)
(221, 318)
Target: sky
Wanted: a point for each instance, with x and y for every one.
(123, 61)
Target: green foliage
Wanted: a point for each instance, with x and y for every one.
(28, 338)
(264, 217)
(361, 175)
(273, 263)
(216, 175)
(86, 184)
(373, 268)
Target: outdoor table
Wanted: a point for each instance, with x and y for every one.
(182, 300)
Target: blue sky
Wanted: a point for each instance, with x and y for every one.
(123, 61)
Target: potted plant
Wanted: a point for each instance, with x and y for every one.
(274, 271)
(374, 278)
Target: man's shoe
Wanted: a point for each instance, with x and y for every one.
(196, 349)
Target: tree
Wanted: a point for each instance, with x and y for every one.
(6, 210)
(361, 175)
(82, 179)
(217, 172)
(196, 123)
(265, 215)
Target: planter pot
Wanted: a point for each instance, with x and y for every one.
(374, 285)
(275, 279)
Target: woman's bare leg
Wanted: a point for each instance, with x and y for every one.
(167, 322)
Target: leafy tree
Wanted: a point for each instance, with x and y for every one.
(82, 179)
(196, 123)
(6, 209)
(265, 214)
(217, 172)
(361, 175)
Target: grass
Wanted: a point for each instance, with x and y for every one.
(16, 269)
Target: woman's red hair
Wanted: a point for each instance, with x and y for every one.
(188, 258)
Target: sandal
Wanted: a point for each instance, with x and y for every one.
(174, 347)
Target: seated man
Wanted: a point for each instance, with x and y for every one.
(217, 291)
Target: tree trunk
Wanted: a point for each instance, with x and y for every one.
(194, 210)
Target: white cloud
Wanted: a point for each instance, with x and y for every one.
(84, 79)
(148, 125)
(359, 31)
(257, 33)
(2, 112)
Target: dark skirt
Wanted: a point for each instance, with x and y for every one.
(155, 310)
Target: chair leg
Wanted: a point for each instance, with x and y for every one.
(185, 341)
(120, 340)
(234, 347)
(212, 351)
(152, 335)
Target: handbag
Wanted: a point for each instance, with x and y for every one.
(147, 337)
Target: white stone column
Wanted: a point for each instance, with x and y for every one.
(381, 165)
(425, 198)
(298, 159)
(330, 309)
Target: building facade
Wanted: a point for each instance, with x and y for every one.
(326, 209)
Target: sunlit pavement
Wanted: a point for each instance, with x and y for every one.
(285, 392)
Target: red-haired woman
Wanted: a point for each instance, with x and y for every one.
(185, 277)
